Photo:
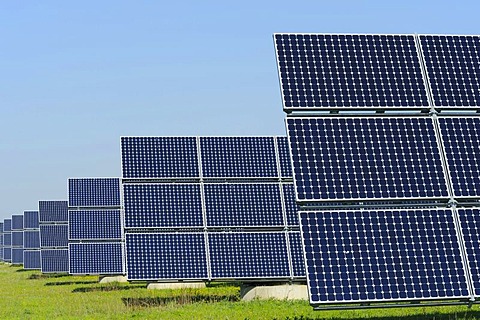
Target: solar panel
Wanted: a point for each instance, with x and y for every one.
(31, 239)
(365, 158)
(17, 255)
(7, 239)
(1, 227)
(53, 211)
(284, 157)
(159, 157)
(296, 252)
(241, 204)
(96, 258)
(7, 254)
(156, 256)
(238, 157)
(162, 205)
(383, 255)
(94, 192)
(30, 220)
(453, 69)
(17, 222)
(54, 260)
(53, 236)
(31, 260)
(95, 225)
(462, 150)
(7, 225)
(17, 238)
(291, 206)
(319, 71)
(248, 255)
(470, 225)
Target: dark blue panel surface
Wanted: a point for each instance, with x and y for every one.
(54, 260)
(344, 71)
(94, 192)
(284, 157)
(157, 256)
(248, 255)
(238, 157)
(7, 239)
(96, 258)
(162, 205)
(355, 256)
(298, 262)
(30, 220)
(7, 225)
(291, 206)
(53, 211)
(159, 157)
(243, 204)
(53, 236)
(453, 68)
(7, 254)
(17, 222)
(17, 255)
(365, 158)
(460, 138)
(31, 239)
(470, 224)
(95, 224)
(31, 260)
(17, 238)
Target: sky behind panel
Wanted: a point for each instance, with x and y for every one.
(75, 76)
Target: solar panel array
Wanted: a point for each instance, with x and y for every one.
(1, 241)
(424, 164)
(199, 208)
(17, 239)
(7, 240)
(95, 226)
(31, 240)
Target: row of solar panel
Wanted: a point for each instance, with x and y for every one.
(205, 157)
(328, 71)
(384, 158)
(48, 261)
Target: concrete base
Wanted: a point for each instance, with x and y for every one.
(175, 285)
(108, 279)
(279, 292)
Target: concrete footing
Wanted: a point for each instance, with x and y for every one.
(278, 291)
(107, 279)
(175, 285)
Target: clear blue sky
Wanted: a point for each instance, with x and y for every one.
(77, 75)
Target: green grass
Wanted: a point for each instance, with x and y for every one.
(30, 295)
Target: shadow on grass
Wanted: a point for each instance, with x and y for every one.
(68, 283)
(47, 276)
(181, 300)
(22, 270)
(108, 288)
(468, 314)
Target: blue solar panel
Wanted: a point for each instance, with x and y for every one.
(7, 254)
(240, 204)
(238, 157)
(462, 150)
(96, 258)
(248, 255)
(159, 157)
(156, 256)
(53, 236)
(31, 239)
(17, 222)
(94, 192)
(470, 225)
(54, 260)
(17, 255)
(31, 260)
(7, 225)
(296, 252)
(17, 238)
(7, 239)
(162, 205)
(284, 157)
(291, 207)
(53, 211)
(95, 224)
(1, 227)
(30, 220)
(453, 69)
(365, 158)
(347, 71)
(355, 256)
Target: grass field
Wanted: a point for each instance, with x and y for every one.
(31, 295)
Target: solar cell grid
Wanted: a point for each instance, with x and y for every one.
(53, 236)
(17, 222)
(17, 238)
(17, 255)
(96, 258)
(31, 260)
(31, 239)
(291, 206)
(470, 224)
(7, 239)
(7, 225)
(30, 220)
(53, 211)
(54, 260)
(7, 254)
(95, 224)
(296, 252)
(284, 156)
(94, 192)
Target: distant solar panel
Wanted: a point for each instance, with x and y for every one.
(53, 211)
(53, 236)
(296, 252)
(284, 157)
(162, 205)
(365, 158)
(1, 227)
(156, 256)
(462, 150)
(159, 157)
(17, 238)
(31, 260)
(242, 204)
(291, 207)
(54, 260)
(94, 192)
(238, 157)
(95, 225)
(248, 255)
(30, 220)
(384, 255)
(7, 254)
(7, 239)
(17, 222)
(96, 258)
(453, 69)
(17, 255)
(7, 225)
(320, 71)
(470, 225)
(31, 239)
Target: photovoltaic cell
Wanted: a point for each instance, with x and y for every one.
(460, 137)
(156, 256)
(296, 252)
(453, 69)
(159, 157)
(7, 254)
(17, 255)
(238, 157)
(284, 156)
(31, 239)
(365, 158)
(349, 71)
(240, 204)
(17, 222)
(53, 211)
(55, 236)
(95, 224)
(470, 224)
(7, 225)
(291, 206)
(360, 256)
(30, 220)
(96, 258)
(54, 260)
(31, 260)
(7, 239)
(94, 192)
(248, 255)
(162, 205)
(17, 238)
